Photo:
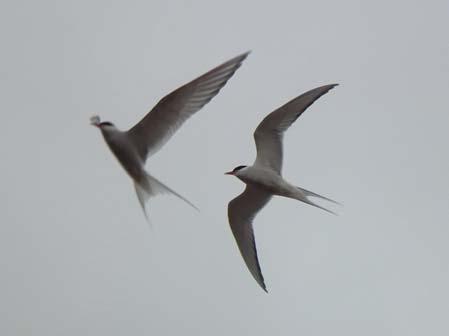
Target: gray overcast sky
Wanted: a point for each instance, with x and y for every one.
(76, 255)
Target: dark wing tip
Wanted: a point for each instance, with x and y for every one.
(326, 88)
(330, 86)
(243, 55)
(258, 276)
(237, 59)
(262, 285)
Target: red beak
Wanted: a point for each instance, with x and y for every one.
(229, 173)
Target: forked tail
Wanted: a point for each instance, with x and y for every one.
(305, 198)
(149, 187)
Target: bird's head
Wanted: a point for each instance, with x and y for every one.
(95, 121)
(236, 171)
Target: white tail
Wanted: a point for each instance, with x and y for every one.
(305, 194)
(150, 187)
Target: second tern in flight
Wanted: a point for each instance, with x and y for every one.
(263, 179)
(133, 147)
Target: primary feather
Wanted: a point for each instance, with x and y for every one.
(156, 128)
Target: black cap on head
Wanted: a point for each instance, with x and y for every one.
(236, 169)
(106, 123)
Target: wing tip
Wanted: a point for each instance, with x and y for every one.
(246, 54)
(330, 86)
(260, 280)
(239, 58)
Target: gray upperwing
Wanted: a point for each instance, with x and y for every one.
(269, 134)
(157, 127)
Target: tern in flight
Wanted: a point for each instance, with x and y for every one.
(134, 146)
(263, 179)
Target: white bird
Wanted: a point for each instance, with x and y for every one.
(133, 147)
(263, 179)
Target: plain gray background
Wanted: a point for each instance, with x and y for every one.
(76, 255)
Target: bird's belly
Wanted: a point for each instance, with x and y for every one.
(269, 182)
(128, 160)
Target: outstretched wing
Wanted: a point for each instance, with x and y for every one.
(241, 212)
(270, 132)
(156, 128)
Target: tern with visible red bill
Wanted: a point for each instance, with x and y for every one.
(263, 179)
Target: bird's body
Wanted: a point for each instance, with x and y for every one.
(125, 152)
(264, 180)
(133, 147)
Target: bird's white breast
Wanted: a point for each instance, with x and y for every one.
(265, 178)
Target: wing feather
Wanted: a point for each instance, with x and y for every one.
(269, 134)
(157, 127)
(241, 212)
